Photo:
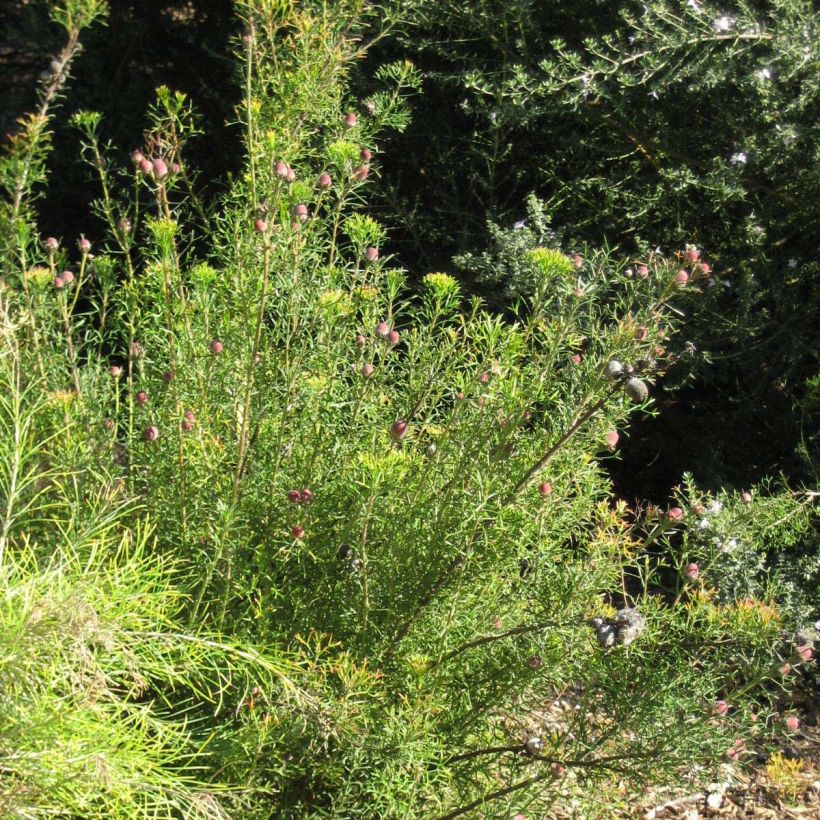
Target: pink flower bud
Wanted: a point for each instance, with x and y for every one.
(366, 154)
(108, 424)
(692, 254)
(150, 433)
(393, 337)
(216, 347)
(115, 371)
(294, 496)
(720, 708)
(545, 489)
(67, 276)
(260, 226)
(785, 669)
(703, 267)
(534, 661)
(168, 376)
(305, 495)
(576, 358)
(137, 156)
(175, 168)
(281, 170)
(642, 271)
(692, 571)
(141, 397)
(361, 173)
(136, 350)
(579, 292)
(675, 514)
(371, 254)
(578, 260)
(124, 225)
(351, 119)
(398, 430)
(291, 177)
(368, 370)
(746, 498)
(681, 278)
(324, 181)
(484, 378)
(360, 340)
(58, 283)
(297, 532)
(460, 396)
(642, 333)
(806, 653)
(189, 415)
(383, 329)
(159, 168)
(498, 624)
(146, 166)
(792, 723)
(84, 245)
(50, 244)
(186, 425)
(611, 439)
(300, 212)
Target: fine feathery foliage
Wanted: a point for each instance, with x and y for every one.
(230, 425)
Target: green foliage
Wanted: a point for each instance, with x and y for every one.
(235, 420)
(758, 544)
(104, 687)
(641, 124)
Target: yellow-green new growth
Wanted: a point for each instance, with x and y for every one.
(551, 263)
(441, 284)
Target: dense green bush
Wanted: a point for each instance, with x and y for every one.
(401, 497)
(641, 124)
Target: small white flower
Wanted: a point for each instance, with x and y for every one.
(704, 523)
(693, 4)
(715, 507)
(517, 226)
(723, 23)
(740, 158)
(792, 263)
(493, 117)
(765, 73)
(653, 94)
(731, 545)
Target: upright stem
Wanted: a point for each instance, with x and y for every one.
(249, 379)
(72, 358)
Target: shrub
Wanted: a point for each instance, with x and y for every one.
(640, 125)
(385, 527)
